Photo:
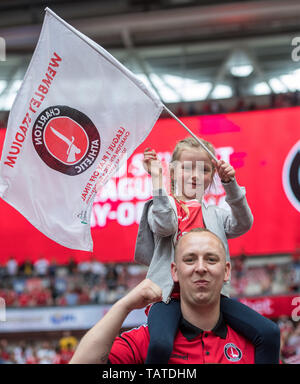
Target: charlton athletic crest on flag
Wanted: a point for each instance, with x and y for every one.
(232, 352)
(66, 139)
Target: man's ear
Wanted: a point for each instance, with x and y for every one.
(227, 271)
(174, 272)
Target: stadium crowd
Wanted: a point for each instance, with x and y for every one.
(45, 283)
(38, 352)
(211, 106)
(60, 351)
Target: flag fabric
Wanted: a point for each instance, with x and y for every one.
(78, 115)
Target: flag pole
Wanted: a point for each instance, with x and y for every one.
(191, 133)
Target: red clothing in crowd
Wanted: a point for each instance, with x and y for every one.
(66, 356)
(25, 299)
(32, 360)
(42, 297)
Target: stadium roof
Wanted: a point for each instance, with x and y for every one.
(185, 50)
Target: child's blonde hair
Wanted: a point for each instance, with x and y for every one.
(187, 143)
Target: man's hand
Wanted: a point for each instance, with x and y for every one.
(94, 347)
(225, 171)
(151, 163)
(143, 294)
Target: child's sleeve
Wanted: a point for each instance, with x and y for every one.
(162, 217)
(240, 220)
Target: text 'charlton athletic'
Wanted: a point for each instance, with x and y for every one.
(66, 139)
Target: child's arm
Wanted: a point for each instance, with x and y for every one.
(240, 220)
(162, 218)
(153, 166)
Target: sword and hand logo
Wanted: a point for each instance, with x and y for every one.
(72, 150)
(66, 139)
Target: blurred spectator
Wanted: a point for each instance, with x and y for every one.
(19, 353)
(240, 106)
(71, 297)
(122, 276)
(19, 285)
(83, 295)
(10, 297)
(61, 301)
(26, 268)
(4, 353)
(2, 272)
(240, 265)
(32, 358)
(57, 358)
(42, 297)
(98, 271)
(41, 267)
(12, 267)
(52, 268)
(45, 354)
(67, 353)
(72, 266)
(84, 267)
(67, 340)
(294, 340)
(98, 293)
(26, 299)
(295, 277)
(111, 276)
(192, 109)
(60, 286)
(179, 110)
(135, 273)
(216, 107)
(206, 109)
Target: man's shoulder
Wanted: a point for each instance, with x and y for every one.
(131, 346)
(138, 336)
(136, 331)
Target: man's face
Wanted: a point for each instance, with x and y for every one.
(200, 268)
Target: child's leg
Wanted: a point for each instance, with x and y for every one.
(263, 333)
(163, 320)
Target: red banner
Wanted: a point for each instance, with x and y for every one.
(263, 146)
(275, 306)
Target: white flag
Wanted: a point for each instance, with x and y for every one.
(77, 116)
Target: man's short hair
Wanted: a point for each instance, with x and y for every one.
(199, 230)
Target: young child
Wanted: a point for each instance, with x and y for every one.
(165, 218)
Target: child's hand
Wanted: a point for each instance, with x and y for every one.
(225, 171)
(151, 163)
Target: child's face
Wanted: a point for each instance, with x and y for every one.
(193, 173)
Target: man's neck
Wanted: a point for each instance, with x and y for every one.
(204, 317)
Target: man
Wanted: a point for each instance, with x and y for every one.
(200, 268)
